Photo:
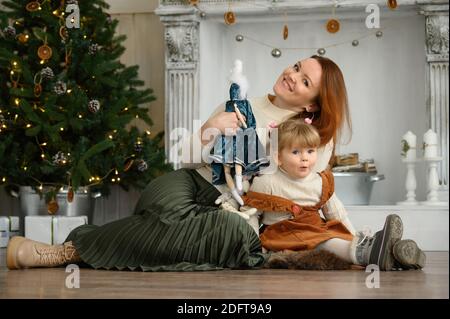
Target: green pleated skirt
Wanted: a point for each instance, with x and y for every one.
(175, 227)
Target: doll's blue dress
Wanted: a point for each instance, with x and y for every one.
(244, 148)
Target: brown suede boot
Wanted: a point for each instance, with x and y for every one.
(27, 253)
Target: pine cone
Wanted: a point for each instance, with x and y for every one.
(142, 165)
(60, 87)
(94, 106)
(47, 73)
(93, 48)
(9, 32)
(59, 158)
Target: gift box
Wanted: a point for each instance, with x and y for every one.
(51, 229)
(9, 227)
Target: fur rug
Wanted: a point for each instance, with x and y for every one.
(307, 260)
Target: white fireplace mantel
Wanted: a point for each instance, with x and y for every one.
(273, 10)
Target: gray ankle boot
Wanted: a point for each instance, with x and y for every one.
(408, 255)
(378, 249)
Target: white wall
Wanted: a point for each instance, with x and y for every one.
(385, 80)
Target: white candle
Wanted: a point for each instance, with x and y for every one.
(430, 141)
(409, 146)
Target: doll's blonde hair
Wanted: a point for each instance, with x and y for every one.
(295, 132)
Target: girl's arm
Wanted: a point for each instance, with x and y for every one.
(334, 209)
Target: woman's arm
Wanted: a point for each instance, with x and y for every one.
(334, 209)
(196, 147)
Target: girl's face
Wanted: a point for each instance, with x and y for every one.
(297, 88)
(296, 161)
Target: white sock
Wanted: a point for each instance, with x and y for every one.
(339, 247)
(238, 182)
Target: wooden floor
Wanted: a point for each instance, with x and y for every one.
(431, 282)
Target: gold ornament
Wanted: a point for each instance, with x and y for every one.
(333, 26)
(229, 17)
(14, 76)
(70, 195)
(37, 90)
(392, 4)
(45, 52)
(33, 6)
(285, 32)
(37, 84)
(63, 33)
(52, 207)
(23, 38)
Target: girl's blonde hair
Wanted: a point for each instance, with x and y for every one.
(294, 131)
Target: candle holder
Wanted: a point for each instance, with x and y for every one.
(433, 182)
(411, 183)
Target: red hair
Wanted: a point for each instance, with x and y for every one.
(332, 101)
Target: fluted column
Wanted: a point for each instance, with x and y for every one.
(436, 22)
(181, 84)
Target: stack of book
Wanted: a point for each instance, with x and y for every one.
(351, 163)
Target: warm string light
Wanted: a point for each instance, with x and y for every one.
(116, 178)
(41, 146)
(94, 180)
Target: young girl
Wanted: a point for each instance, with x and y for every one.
(291, 200)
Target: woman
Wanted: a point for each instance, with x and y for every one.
(176, 225)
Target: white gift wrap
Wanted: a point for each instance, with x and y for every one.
(51, 229)
(9, 227)
(62, 226)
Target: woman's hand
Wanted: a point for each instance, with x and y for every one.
(225, 122)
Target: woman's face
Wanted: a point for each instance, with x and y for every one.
(298, 86)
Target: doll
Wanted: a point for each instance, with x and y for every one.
(238, 155)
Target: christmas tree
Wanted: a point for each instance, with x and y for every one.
(67, 103)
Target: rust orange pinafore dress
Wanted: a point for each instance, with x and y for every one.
(306, 229)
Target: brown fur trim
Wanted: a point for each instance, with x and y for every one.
(307, 260)
(277, 260)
